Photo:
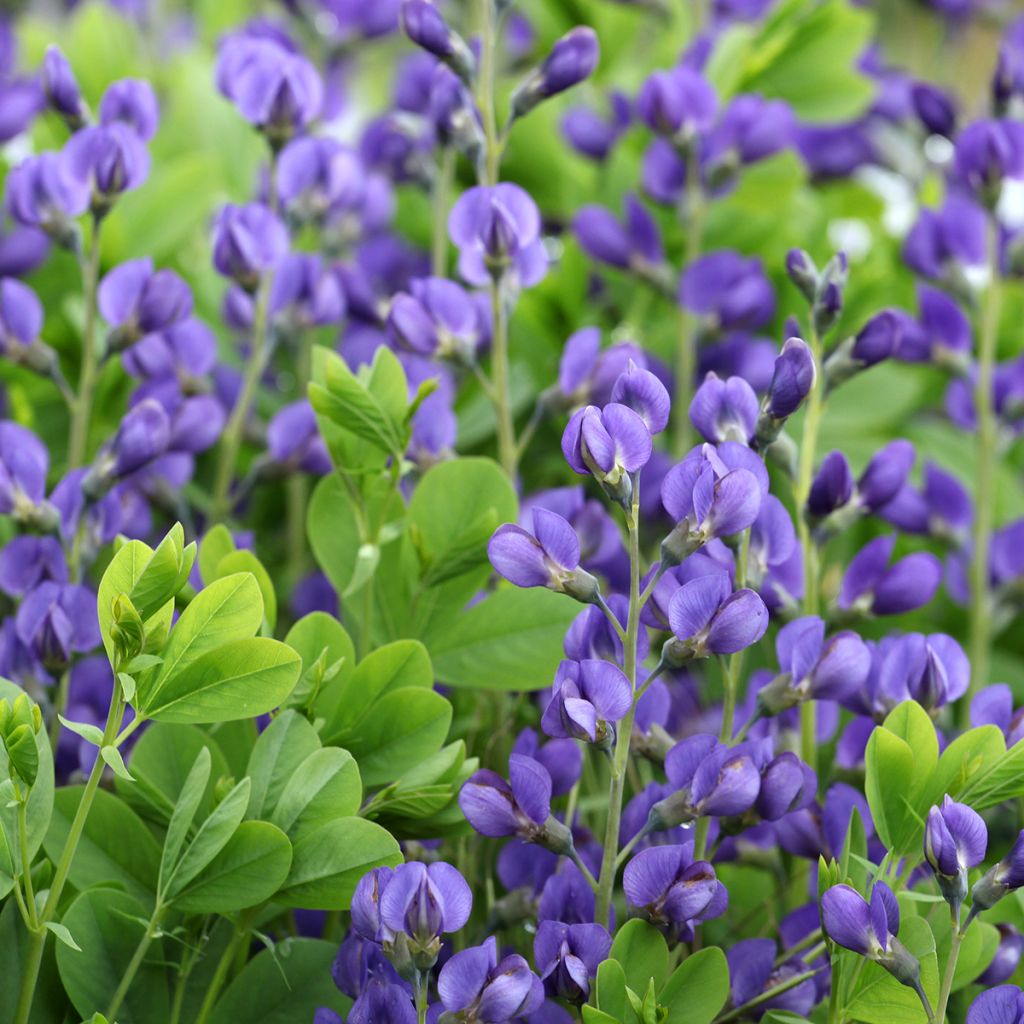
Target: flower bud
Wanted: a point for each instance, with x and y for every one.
(127, 629)
(802, 272)
(61, 88)
(571, 60)
(425, 26)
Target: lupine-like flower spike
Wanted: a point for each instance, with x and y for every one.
(248, 241)
(955, 839)
(61, 88)
(136, 300)
(872, 586)
(877, 340)
(792, 379)
(107, 160)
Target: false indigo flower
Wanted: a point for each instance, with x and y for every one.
(729, 291)
(24, 462)
(885, 474)
(1001, 1005)
(563, 758)
(1000, 879)
(21, 319)
(41, 193)
(878, 339)
(248, 241)
(479, 989)
(61, 88)
(131, 101)
(934, 108)
(724, 410)
(425, 26)
(750, 129)
(943, 241)
(955, 839)
(1008, 956)
(497, 231)
(587, 698)
(672, 891)
(787, 785)
(871, 585)
(832, 486)
(610, 444)
(380, 1002)
(28, 560)
(549, 557)
(993, 705)
(707, 618)
(572, 59)
(792, 379)
(633, 244)
(366, 919)
(293, 439)
(144, 435)
(850, 922)
(679, 103)
(567, 957)
(933, 670)
(136, 300)
(987, 152)
(802, 272)
(642, 391)
(566, 896)
(108, 160)
(753, 974)
(592, 135)
(55, 620)
(437, 319)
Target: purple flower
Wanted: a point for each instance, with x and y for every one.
(955, 839)
(108, 160)
(935, 108)
(632, 244)
(942, 241)
(497, 231)
(436, 318)
(850, 922)
(679, 103)
(28, 560)
(832, 486)
(1000, 879)
(708, 617)
(366, 919)
(642, 391)
(549, 557)
(275, 89)
(482, 990)
(567, 957)
(729, 291)
(672, 891)
(61, 88)
(56, 620)
(136, 300)
(993, 705)
(933, 670)
(143, 435)
(787, 785)
(24, 462)
(878, 339)
(41, 193)
(885, 474)
(248, 241)
(792, 379)
(425, 26)
(1001, 1005)
(1007, 958)
(566, 896)
(562, 758)
(753, 974)
(572, 59)
(987, 152)
(870, 584)
(380, 1002)
(724, 410)
(587, 698)
(610, 444)
(21, 319)
(750, 129)
(592, 135)
(519, 807)
(294, 441)
(131, 101)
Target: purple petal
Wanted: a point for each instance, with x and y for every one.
(694, 604)
(741, 621)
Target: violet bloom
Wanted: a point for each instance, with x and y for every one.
(380, 1002)
(988, 152)
(706, 778)
(787, 785)
(708, 617)
(832, 486)
(567, 957)
(1007, 958)
(849, 921)
(277, 90)
(425, 26)
(479, 989)
(943, 508)
(1000, 879)
(640, 390)
(248, 241)
(436, 318)
(143, 435)
(567, 896)
(108, 160)
(587, 699)
(955, 839)
(56, 620)
(24, 462)
(131, 101)
(1001, 1005)
(672, 891)
(753, 974)
(870, 585)
(610, 444)
(945, 240)
(729, 291)
(136, 300)
(592, 135)
(42, 193)
(813, 669)
(724, 410)
(549, 557)
(497, 231)
(305, 293)
(61, 89)
(711, 493)
(563, 758)
(572, 59)
(993, 705)
(679, 103)
(21, 319)
(294, 441)
(751, 129)
(933, 670)
(631, 244)
(793, 377)
(885, 474)
(28, 560)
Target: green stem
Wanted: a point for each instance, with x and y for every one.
(34, 955)
(606, 877)
(485, 99)
(733, 665)
(221, 972)
(421, 997)
(980, 613)
(136, 962)
(26, 860)
(763, 997)
(508, 452)
(440, 196)
(947, 978)
(686, 335)
(700, 837)
(78, 437)
(60, 701)
(298, 482)
(805, 475)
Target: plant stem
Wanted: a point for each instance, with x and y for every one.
(78, 437)
(733, 665)
(507, 448)
(805, 475)
(606, 878)
(34, 956)
(136, 962)
(947, 979)
(60, 701)
(298, 482)
(485, 99)
(421, 997)
(686, 336)
(440, 196)
(980, 614)
(26, 860)
(763, 997)
(221, 972)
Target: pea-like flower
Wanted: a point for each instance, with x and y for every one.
(932, 669)
(548, 557)
(588, 698)
(436, 318)
(724, 410)
(425, 26)
(955, 839)
(497, 231)
(567, 957)
(679, 103)
(987, 153)
(707, 617)
(787, 785)
(871, 585)
(1000, 879)
(56, 620)
(131, 101)
(729, 291)
(476, 988)
(673, 891)
(631, 244)
(136, 300)
(108, 160)
(61, 89)
(1003, 1004)
(572, 59)
(21, 319)
(248, 241)
(143, 435)
(610, 444)
(24, 462)
(41, 192)
(753, 974)
(793, 376)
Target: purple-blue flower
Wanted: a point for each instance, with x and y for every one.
(871, 585)
(248, 241)
(567, 957)
(729, 291)
(753, 974)
(724, 410)
(1001, 1005)
(135, 300)
(708, 617)
(610, 444)
(483, 990)
(587, 699)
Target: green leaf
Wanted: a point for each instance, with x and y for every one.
(698, 988)
(328, 863)
(112, 757)
(49, 1003)
(115, 845)
(641, 950)
(283, 985)
(241, 679)
(276, 756)
(185, 808)
(108, 925)
(996, 780)
(321, 641)
(245, 561)
(399, 731)
(251, 867)
(783, 1017)
(510, 641)
(325, 786)
(967, 761)
(210, 839)
(216, 545)
(63, 935)
(128, 688)
(976, 951)
(592, 1016)
(90, 733)
(611, 989)
(334, 532)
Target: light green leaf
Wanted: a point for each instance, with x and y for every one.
(112, 757)
(245, 561)
(698, 988)
(216, 545)
(326, 786)
(63, 935)
(641, 950)
(90, 733)
(185, 807)
(281, 748)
